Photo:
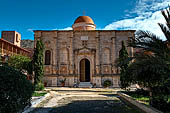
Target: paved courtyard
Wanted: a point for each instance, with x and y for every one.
(78, 100)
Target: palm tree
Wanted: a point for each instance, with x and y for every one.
(151, 43)
(151, 67)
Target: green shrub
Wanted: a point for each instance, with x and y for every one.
(39, 86)
(37, 94)
(141, 92)
(161, 103)
(107, 83)
(15, 90)
(21, 63)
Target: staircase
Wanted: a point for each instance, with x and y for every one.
(85, 85)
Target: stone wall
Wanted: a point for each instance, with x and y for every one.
(141, 106)
(68, 48)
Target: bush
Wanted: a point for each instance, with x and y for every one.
(39, 86)
(15, 90)
(161, 102)
(37, 94)
(21, 63)
(107, 83)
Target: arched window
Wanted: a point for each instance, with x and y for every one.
(47, 57)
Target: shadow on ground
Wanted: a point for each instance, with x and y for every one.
(89, 106)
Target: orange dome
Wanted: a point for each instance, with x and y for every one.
(86, 19)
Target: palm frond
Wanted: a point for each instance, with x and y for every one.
(165, 30)
(166, 14)
(148, 41)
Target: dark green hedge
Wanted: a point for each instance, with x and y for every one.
(15, 90)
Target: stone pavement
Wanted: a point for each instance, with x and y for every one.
(83, 100)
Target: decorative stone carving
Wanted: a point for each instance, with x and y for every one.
(106, 69)
(47, 42)
(63, 70)
(47, 70)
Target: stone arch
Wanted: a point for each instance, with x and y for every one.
(84, 70)
(86, 57)
(91, 65)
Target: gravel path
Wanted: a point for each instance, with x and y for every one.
(83, 101)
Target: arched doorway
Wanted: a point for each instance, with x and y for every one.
(85, 70)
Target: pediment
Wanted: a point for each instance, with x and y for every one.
(85, 50)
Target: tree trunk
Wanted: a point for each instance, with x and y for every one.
(150, 96)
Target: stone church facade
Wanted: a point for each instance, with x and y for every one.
(83, 54)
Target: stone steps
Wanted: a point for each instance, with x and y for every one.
(85, 85)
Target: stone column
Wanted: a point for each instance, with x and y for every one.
(76, 65)
(113, 54)
(37, 35)
(97, 53)
(55, 54)
(71, 59)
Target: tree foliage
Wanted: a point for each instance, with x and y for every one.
(38, 62)
(123, 55)
(22, 63)
(151, 66)
(15, 90)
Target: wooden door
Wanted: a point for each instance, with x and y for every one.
(82, 71)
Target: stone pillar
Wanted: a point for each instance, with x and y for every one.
(97, 55)
(71, 59)
(113, 54)
(75, 65)
(57, 56)
(37, 35)
(54, 48)
(54, 54)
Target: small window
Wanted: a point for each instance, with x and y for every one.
(17, 40)
(84, 43)
(47, 57)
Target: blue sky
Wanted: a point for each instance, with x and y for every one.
(27, 15)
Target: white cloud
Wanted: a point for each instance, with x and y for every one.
(148, 16)
(30, 30)
(67, 28)
(146, 7)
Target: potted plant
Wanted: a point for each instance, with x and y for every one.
(107, 83)
(63, 82)
(45, 83)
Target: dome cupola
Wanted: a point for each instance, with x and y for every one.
(84, 23)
